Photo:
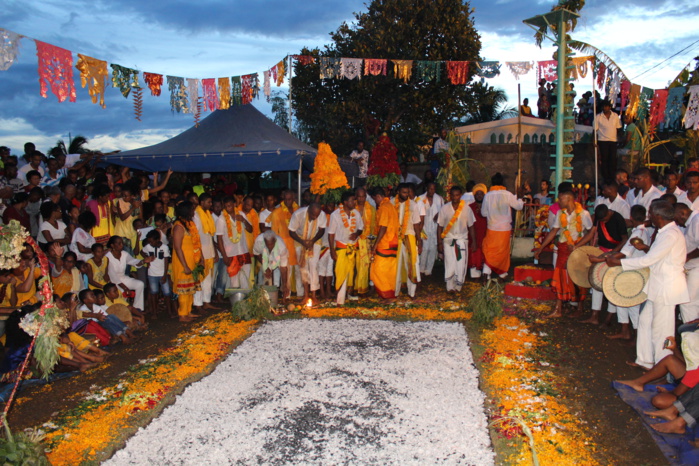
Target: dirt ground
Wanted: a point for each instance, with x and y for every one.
(582, 353)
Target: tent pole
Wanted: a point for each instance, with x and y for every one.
(290, 111)
(594, 130)
(299, 184)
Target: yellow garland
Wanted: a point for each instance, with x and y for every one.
(405, 223)
(207, 221)
(578, 224)
(345, 221)
(233, 235)
(453, 220)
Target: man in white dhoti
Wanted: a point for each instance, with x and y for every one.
(454, 224)
(432, 203)
(306, 227)
(666, 287)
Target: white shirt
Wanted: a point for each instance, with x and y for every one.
(606, 127)
(431, 211)
(667, 284)
(337, 227)
(684, 199)
(117, 267)
(414, 216)
(618, 205)
(572, 221)
(678, 192)
(496, 208)
(232, 249)
(157, 267)
(264, 216)
(643, 234)
(85, 239)
(410, 178)
(460, 228)
(363, 159)
(71, 161)
(96, 309)
(298, 222)
(56, 233)
(440, 145)
(22, 172)
(646, 199)
(207, 241)
(260, 249)
(691, 236)
(469, 198)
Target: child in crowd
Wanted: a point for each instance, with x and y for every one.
(98, 313)
(98, 270)
(158, 271)
(112, 297)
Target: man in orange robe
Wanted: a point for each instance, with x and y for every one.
(384, 267)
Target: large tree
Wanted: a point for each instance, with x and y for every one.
(342, 111)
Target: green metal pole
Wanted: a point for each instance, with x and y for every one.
(561, 100)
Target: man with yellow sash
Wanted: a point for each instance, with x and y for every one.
(306, 227)
(251, 233)
(368, 213)
(409, 241)
(279, 222)
(454, 225)
(207, 230)
(384, 265)
(497, 205)
(344, 228)
(232, 244)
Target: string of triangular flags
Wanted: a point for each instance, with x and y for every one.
(56, 74)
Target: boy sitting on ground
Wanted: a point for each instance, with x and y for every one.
(135, 319)
(98, 313)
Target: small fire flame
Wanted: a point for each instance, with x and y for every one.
(309, 303)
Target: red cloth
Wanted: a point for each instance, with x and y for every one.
(691, 378)
(99, 331)
(566, 290)
(13, 214)
(477, 259)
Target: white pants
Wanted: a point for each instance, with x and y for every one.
(294, 276)
(656, 323)
(326, 265)
(242, 278)
(690, 310)
(203, 296)
(488, 271)
(310, 268)
(428, 256)
(455, 270)
(598, 299)
(475, 273)
(137, 286)
(403, 264)
(624, 314)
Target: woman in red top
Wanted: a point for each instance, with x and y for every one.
(16, 211)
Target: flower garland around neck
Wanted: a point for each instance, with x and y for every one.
(285, 209)
(454, 218)
(351, 223)
(406, 217)
(194, 234)
(578, 224)
(234, 234)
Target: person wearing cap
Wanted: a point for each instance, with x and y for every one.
(666, 287)
(476, 259)
(497, 208)
(454, 226)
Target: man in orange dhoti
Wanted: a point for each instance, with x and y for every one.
(384, 266)
(279, 220)
(569, 228)
(497, 205)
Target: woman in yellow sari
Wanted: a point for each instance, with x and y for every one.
(185, 258)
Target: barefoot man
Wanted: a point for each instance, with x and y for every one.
(384, 261)
(666, 287)
(307, 227)
(368, 214)
(569, 228)
(409, 240)
(344, 228)
(207, 231)
(454, 226)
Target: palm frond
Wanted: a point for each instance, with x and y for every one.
(77, 145)
(589, 49)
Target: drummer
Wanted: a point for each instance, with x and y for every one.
(667, 285)
(638, 244)
(611, 235)
(569, 228)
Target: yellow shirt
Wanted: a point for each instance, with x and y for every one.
(118, 300)
(30, 295)
(98, 272)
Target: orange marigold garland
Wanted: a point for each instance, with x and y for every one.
(328, 179)
(229, 228)
(351, 225)
(578, 224)
(453, 220)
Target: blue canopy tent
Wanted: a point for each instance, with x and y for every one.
(239, 139)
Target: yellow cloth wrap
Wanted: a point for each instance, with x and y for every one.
(124, 228)
(207, 221)
(185, 302)
(185, 284)
(104, 228)
(280, 225)
(98, 272)
(208, 266)
(63, 283)
(254, 220)
(361, 282)
(383, 273)
(30, 296)
(369, 219)
(496, 249)
(344, 266)
(64, 351)
(410, 272)
(80, 343)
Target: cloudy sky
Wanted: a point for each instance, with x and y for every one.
(214, 38)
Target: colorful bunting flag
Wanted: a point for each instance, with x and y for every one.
(281, 71)
(178, 94)
(625, 89)
(673, 109)
(457, 71)
(154, 81)
(488, 69)
(224, 93)
(403, 69)
(614, 87)
(601, 75)
(124, 78)
(644, 103)
(304, 59)
(547, 70)
(634, 98)
(330, 67)
(657, 107)
(193, 93)
(246, 89)
(351, 68)
(9, 48)
(375, 67)
(428, 71)
(266, 86)
(55, 71)
(691, 116)
(208, 87)
(93, 74)
(236, 91)
(519, 68)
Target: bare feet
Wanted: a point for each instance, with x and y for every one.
(592, 320)
(86, 366)
(634, 364)
(194, 316)
(619, 336)
(557, 312)
(668, 414)
(186, 319)
(676, 426)
(632, 383)
(208, 306)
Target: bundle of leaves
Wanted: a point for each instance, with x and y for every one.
(50, 325)
(487, 303)
(255, 306)
(22, 448)
(198, 272)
